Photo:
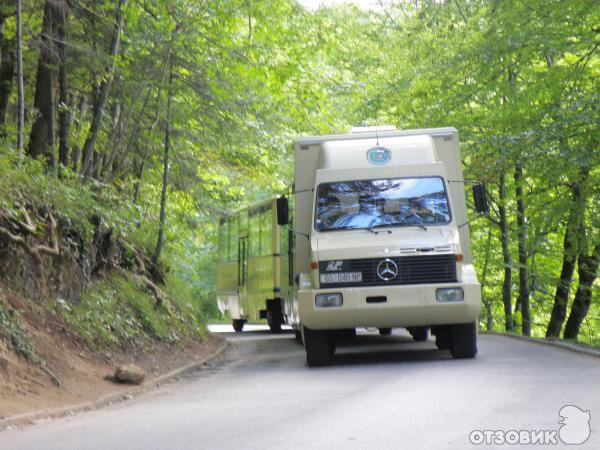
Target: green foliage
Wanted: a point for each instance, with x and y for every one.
(119, 311)
(518, 79)
(14, 335)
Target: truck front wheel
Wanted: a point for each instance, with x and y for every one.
(319, 346)
(463, 340)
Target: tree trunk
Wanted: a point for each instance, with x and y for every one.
(41, 139)
(140, 172)
(21, 101)
(570, 252)
(489, 320)
(163, 197)
(587, 270)
(115, 141)
(505, 240)
(76, 152)
(64, 115)
(7, 72)
(100, 102)
(524, 293)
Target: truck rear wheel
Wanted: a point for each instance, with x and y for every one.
(274, 319)
(238, 325)
(274, 316)
(319, 346)
(464, 340)
(419, 334)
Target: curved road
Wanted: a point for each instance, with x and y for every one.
(381, 393)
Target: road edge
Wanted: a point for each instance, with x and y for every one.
(22, 420)
(556, 343)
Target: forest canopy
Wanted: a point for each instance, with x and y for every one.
(160, 115)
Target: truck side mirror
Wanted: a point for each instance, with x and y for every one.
(283, 215)
(481, 203)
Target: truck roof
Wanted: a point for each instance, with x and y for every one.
(434, 132)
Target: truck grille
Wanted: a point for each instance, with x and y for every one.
(410, 270)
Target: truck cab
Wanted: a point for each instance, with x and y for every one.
(382, 240)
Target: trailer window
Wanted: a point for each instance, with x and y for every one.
(384, 202)
(266, 232)
(223, 240)
(233, 239)
(254, 234)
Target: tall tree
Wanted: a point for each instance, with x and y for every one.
(587, 267)
(7, 72)
(505, 241)
(165, 179)
(21, 101)
(571, 248)
(523, 299)
(42, 137)
(64, 115)
(100, 101)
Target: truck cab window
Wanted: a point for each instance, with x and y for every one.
(383, 202)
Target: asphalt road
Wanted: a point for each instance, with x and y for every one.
(381, 393)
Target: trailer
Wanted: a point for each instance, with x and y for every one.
(253, 265)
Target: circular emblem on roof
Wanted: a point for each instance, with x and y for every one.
(387, 269)
(379, 156)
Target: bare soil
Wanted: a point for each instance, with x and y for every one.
(84, 374)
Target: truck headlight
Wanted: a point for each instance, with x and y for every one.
(445, 295)
(328, 300)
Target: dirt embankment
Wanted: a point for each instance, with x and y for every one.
(45, 361)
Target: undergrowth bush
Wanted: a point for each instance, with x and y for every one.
(118, 310)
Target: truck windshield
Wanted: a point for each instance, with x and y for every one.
(379, 203)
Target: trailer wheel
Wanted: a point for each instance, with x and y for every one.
(464, 340)
(385, 331)
(319, 346)
(419, 334)
(238, 325)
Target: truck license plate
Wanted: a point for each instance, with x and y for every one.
(341, 277)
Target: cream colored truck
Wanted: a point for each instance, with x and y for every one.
(382, 240)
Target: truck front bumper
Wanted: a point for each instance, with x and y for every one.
(408, 305)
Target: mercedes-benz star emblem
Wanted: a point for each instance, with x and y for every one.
(387, 270)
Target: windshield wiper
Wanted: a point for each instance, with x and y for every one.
(379, 225)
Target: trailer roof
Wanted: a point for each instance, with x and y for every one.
(434, 132)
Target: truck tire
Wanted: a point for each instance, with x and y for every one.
(274, 316)
(419, 334)
(274, 319)
(238, 325)
(385, 331)
(464, 340)
(442, 336)
(345, 335)
(319, 346)
(298, 335)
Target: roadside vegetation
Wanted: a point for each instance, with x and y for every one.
(143, 121)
